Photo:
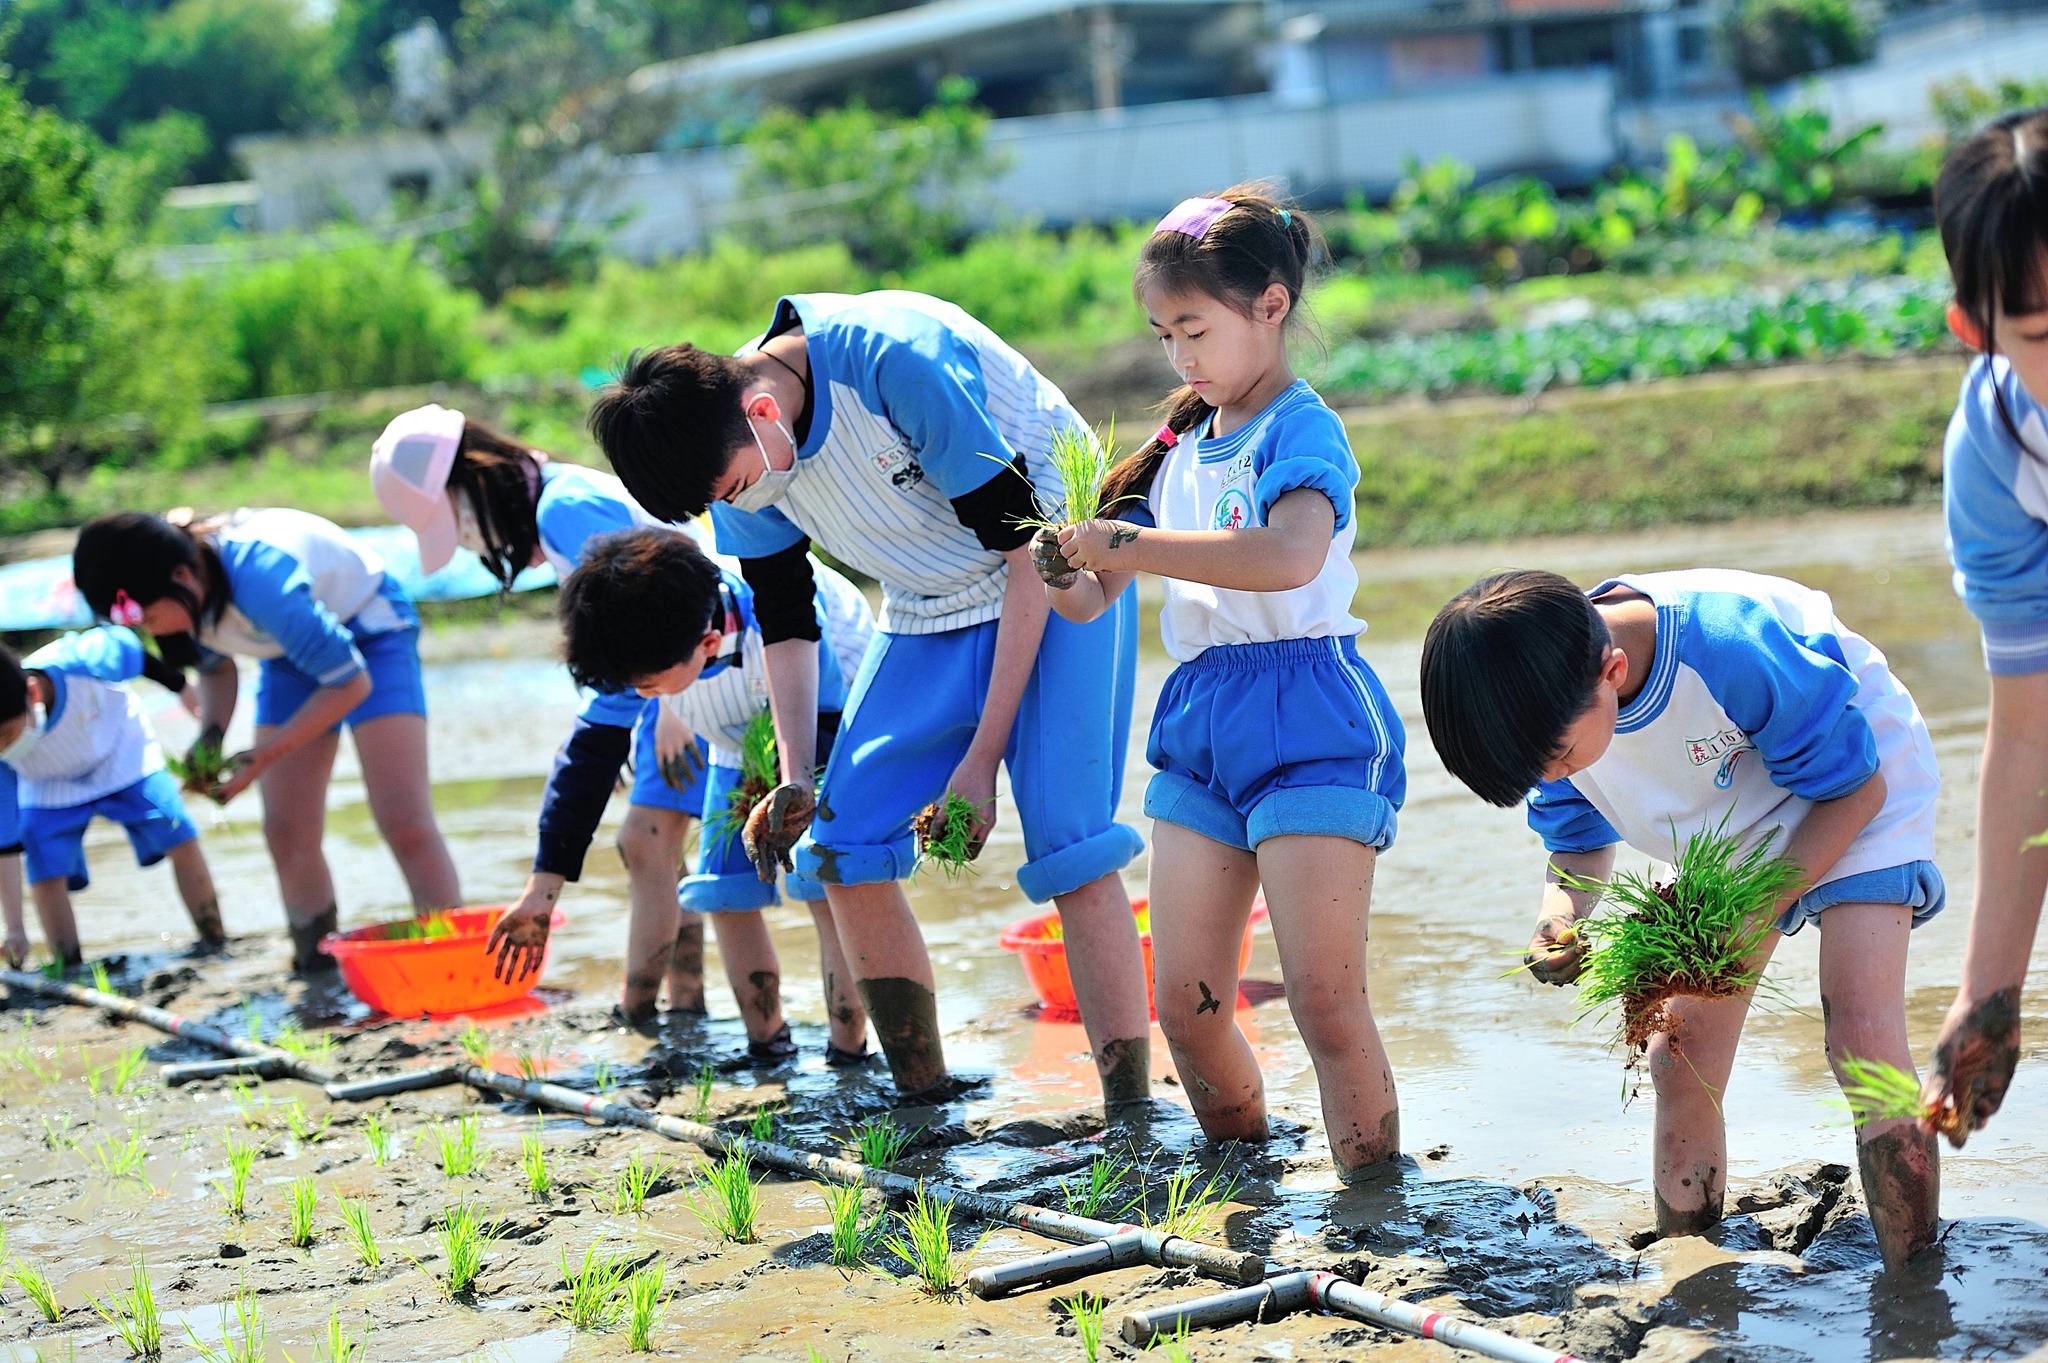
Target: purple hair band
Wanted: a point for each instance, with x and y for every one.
(1194, 217)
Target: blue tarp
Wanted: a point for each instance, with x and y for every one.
(37, 594)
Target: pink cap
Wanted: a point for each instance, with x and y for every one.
(1194, 217)
(409, 467)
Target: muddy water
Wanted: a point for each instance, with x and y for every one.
(1523, 1199)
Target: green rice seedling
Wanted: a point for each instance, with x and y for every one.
(1086, 1313)
(95, 1075)
(57, 1132)
(645, 1299)
(1105, 1194)
(252, 1020)
(253, 1102)
(880, 1142)
(422, 927)
(1692, 937)
(315, 1048)
(35, 1285)
(1081, 461)
(602, 1078)
(631, 1184)
(303, 1197)
(596, 1291)
(380, 1139)
(854, 1233)
(200, 769)
(534, 1066)
(811, 1355)
(762, 1126)
(134, 1314)
(127, 1067)
(925, 1242)
(945, 835)
(725, 1197)
(760, 773)
(466, 1241)
(533, 1159)
(100, 979)
(338, 1344)
(460, 1154)
(475, 1044)
(355, 1216)
(242, 1339)
(701, 1109)
(120, 1159)
(1191, 1205)
(33, 1063)
(241, 1159)
(1173, 1347)
(301, 1126)
(1874, 1091)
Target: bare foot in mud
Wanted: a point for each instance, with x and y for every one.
(1974, 1060)
(906, 1019)
(1902, 1190)
(1125, 1068)
(775, 825)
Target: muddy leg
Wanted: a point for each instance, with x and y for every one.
(1201, 895)
(1109, 983)
(1690, 1073)
(1863, 999)
(686, 967)
(294, 822)
(753, 970)
(651, 845)
(195, 888)
(893, 972)
(60, 928)
(1320, 892)
(846, 1018)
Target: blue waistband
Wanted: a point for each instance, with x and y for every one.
(1276, 653)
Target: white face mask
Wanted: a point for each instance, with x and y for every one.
(468, 533)
(31, 734)
(769, 488)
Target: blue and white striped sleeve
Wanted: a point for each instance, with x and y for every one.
(571, 513)
(1999, 548)
(1567, 821)
(1306, 447)
(929, 384)
(108, 653)
(1793, 695)
(752, 534)
(619, 709)
(275, 591)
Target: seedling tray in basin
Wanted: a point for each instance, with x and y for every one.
(447, 971)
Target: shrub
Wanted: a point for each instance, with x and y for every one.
(1771, 41)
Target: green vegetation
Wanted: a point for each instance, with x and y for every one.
(700, 1108)
(242, 1340)
(1875, 1091)
(379, 1138)
(303, 1197)
(854, 1234)
(634, 1181)
(431, 926)
(533, 1161)
(1086, 1313)
(134, 1313)
(127, 1067)
(120, 1159)
(35, 1285)
(339, 1344)
(945, 835)
(241, 1160)
(355, 1216)
(460, 1153)
(1105, 1195)
(466, 1241)
(1694, 936)
(596, 1290)
(725, 1197)
(925, 1242)
(762, 1125)
(645, 1300)
(1191, 1202)
(760, 773)
(880, 1142)
(301, 1126)
(475, 1044)
(198, 770)
(1081, 460)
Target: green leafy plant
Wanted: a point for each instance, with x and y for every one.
(242, 1339)
(602, 1078)
(854, 1234)
(460, 1153)
(475, 1044)
(633, 1182)
(127, 1067)
(880, 1142)
(100, 979)
(200, 768)
(431, 926)
(466, 1240)
(534, 1066)
(762, 1126)
(301, 1126)
(1104, 1195)
(1875, 1091)
(122, 1159)
(315, 1048)
(303, 1198)
(945, 834)
(241, 1160)
(355, 1217)
(925, 1242)
(379, 1137)
(252, 1101)
(1191, 1201)
(339, 1344)
(1174, 1347)
(700, 1110)
(533, 1160)
(1692, 937)
(134, 1313)
(760, 772)
(596, 1290)
(1085, 1310)
(725, 1197)
(1081, 460)
(645, 1299)
(35, 1285)
(57, 1132)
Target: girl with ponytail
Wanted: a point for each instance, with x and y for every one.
(1277, 755)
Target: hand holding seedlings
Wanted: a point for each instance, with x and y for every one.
(1557, 953)
(1051, 564)
(200, 769)
(1974, 1060)
(760, 771)
(950, 832)
(775, 825)
(1098, 546)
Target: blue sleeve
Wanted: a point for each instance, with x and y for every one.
(274, 590)
(1792, 694)
(571, 513)
(619, 709)
(10, 811)
(109, 653)
(752, 534)
(2000, 549)
(579, 786)
(927, 380)
(1305, 448)
(1567, 820)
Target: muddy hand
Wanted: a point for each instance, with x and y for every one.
(1557, 952)
(519, 940)
(777, 821)
(679, 770)
(237, 774)
(1974, 1060)
(17, 950)
(1052, 565)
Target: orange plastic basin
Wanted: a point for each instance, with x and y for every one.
(436, 975)
(1044, 958)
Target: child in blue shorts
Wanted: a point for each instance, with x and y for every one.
(880, 425)
(1278, 756)
(456, 482)
(1661, 705)
(338, 644)
(651, 612)
(74, 746)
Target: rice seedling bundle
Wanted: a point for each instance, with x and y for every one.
(880, 1142)
(134, 1314)
(1086, 1313)
(533, 1160)
(242, 1340)
(645, 1299)
(760, 773)
(596, 1290)
(200, 769)
(725, 1197)
(945, 834)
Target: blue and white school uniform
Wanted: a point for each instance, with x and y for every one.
(316, 607)
(1995, 495)
(1272, 724)
(96, 757)
(1759, 702)
(726, 697)
(576, 505)
(915, 404)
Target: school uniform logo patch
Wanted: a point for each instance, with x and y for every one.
(899, 466)
(1724, 750)
(1233, 511)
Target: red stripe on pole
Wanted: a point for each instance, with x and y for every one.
(1429, 1324)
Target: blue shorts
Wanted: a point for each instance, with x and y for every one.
(725, 881)
(1254, 741)
(152, 810)
(650, 791)
(909, 722)
(393, 660)
(1916, 885)
(10, 811)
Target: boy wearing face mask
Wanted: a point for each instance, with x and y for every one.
(905, 438)
(74, 745)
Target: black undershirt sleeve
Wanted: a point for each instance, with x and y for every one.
(997, 510)
(577, 790)
(784, 592)
(162, 673)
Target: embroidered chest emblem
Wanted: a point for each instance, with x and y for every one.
(1233, 511)
(899, 466)
(1723, 751)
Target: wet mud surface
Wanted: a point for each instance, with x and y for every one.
(1523, 1196)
